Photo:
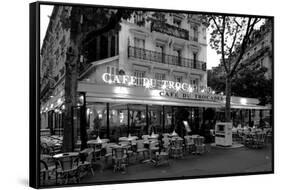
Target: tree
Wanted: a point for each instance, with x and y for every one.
(230, 37)
(244, 84)
(83, 23)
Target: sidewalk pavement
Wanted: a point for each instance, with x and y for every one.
(217, 161)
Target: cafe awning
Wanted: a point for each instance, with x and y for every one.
(249, 106)
(189, 103)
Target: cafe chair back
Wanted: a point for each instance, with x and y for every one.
(46, 172)
(87, 164)
(176, 148)
(67, 168)
(119, 157)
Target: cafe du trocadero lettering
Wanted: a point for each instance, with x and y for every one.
(168, 88)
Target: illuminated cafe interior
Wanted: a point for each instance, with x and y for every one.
(112, 112)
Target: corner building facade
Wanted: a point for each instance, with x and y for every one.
(139, 79)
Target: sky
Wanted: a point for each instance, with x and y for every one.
(46, 11)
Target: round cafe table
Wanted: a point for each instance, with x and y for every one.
(132, 138)
(176, 138)
(97, 145)
(94, 142)
(151, 149)
(155, 136)
(173, 135)
(66, 154)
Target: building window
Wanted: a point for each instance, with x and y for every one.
(139, 19)
(139, 43)
(140, 75)
(160, 76)
(177, 22)
(178, 79)
(195, 33)
(177, 58)
(112, 70)
(161, 55)
(194, 81)
(194, 60)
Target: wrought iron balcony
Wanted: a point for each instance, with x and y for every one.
(170, 30)
(154, 56)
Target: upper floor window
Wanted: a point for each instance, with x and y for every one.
(194, 81)
(177, 22)
(160, 76)
(140, 75)
(139, 18)
(195, 33)
(178, 79)
(112, 70)
(177, 53)
(194, 60)
(139, 43)
(161, 50)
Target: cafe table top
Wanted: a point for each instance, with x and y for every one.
(131, 138)
(101, 141)
(155, 136)
(173, 135)
(66, 154)
(176, 138)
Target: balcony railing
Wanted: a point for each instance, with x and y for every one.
(154, 56)
(170, 30)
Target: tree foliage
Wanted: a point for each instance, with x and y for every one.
(244, 84)
(83, 23)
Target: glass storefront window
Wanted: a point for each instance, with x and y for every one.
(155, 121)
(138, 120)
(168, 119)
(97, 120)
(118, 121)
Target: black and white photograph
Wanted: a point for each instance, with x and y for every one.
(142, 94)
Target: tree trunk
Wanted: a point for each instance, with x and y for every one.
(83, 127)
(71, 74)
(227, 99)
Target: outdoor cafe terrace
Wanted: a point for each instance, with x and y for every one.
(103, 158)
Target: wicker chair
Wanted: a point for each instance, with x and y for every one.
(67, 168)
(162, 157)
(176, 148)
(87, 164)
(189, 144)
(46, 172)
(141, 149)
(259, 140)
(199, 145)
(120, 159)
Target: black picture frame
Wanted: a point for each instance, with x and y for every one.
(35, 107)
